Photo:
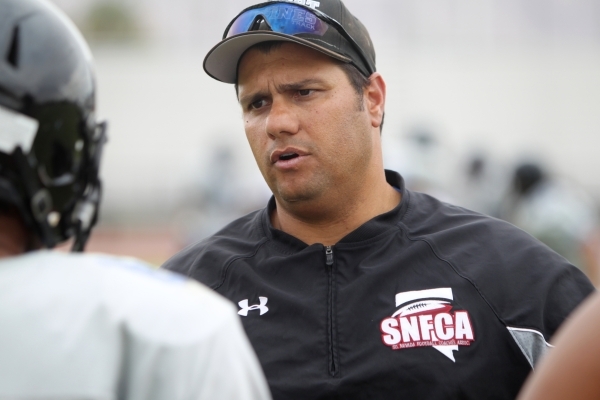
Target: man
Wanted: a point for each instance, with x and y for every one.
(81, 326)
(349, 285)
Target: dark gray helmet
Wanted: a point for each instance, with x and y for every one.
(50, 142)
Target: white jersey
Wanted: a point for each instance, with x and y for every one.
(98, 327)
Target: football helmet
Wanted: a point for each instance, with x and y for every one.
(50, 141)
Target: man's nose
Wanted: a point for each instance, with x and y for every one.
(282, 120)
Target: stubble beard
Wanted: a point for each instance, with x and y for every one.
(303, 191)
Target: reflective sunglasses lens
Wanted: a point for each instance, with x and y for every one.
(242, 23)
(282, 18)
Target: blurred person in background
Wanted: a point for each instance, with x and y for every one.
(483, 184)
(349, 285)
(571, 370)
(219, 195)
(557, 213)
(423, 161)
(79, 326)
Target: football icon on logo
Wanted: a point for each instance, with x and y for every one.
(423, 307)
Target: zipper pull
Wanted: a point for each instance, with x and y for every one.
(328, 255)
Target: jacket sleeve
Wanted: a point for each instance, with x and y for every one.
(530, 288)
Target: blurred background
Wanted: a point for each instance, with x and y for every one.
(493, 105)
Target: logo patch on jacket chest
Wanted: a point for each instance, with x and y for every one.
(426, 319)
(245, 308)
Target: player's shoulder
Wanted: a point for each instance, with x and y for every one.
(152, 285)
(91, 268)
(157, 304)
(147, 302)
(119, 281)
(205, 259)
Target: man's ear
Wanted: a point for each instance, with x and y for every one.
(374, 96)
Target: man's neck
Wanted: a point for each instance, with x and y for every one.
(335, 219)
(13, 236)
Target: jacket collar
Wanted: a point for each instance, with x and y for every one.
(369, 230)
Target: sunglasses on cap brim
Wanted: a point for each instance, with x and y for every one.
(290, 19)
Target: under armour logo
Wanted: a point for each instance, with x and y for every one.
(262, 306)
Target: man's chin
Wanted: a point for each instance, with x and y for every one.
(297, 195)
(295, 198)
(297, 189)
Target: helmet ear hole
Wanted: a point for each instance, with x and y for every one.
(13, 53)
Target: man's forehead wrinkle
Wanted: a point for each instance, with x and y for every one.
(285, 87)
(255, 92)
(286, 84)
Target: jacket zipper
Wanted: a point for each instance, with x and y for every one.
(333, 367)
(328, 256)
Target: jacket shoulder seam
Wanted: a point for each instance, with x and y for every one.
(457, 272)
(225, 269)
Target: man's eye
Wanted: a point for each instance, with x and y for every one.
(258, 104)
(304, 92)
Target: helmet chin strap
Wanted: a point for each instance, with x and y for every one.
(85, 216)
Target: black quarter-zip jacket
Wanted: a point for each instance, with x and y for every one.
(427, 301)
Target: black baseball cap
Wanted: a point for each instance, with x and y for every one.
(325, 25)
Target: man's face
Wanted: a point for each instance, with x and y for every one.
(304, 122)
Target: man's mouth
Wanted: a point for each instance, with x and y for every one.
(288, 156)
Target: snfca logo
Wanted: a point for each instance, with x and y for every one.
(426, 319)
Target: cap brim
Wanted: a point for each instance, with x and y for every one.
(221, 62)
